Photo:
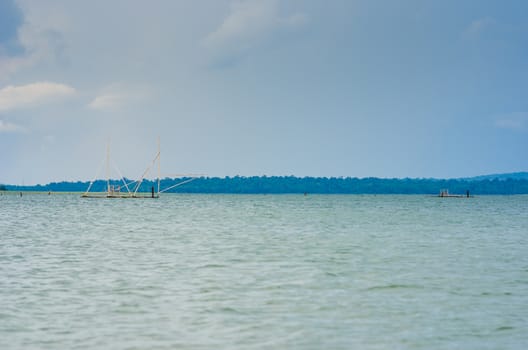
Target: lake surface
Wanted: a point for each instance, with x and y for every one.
(264, 272)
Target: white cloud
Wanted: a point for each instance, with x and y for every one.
(10, 65)
(119, 95)
(107, 101)
(478, 27)
(40, 36)
(515, 121)
(249, 24)
(7, 127)
(12, 97)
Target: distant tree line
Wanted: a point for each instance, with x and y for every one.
(292, 184)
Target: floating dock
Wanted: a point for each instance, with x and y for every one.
(446, 194)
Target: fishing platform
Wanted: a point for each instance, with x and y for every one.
(124, 188)
(446, 194)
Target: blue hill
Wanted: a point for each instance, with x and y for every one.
(505, 176)
(513, 183)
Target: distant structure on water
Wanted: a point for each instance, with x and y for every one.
(446, 194)
(131, 189)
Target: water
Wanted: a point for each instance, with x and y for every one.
(264, 272)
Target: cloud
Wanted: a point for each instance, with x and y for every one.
(7, 127)
(9, 65)
(39, 37)
(107, 101)
(515, 121)
(11, 50)
(249, 24)
(13, 97)
(118, 96)
(10, 20)
(478, 27)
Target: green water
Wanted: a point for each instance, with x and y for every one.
(264, 272)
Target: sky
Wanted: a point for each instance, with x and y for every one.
(359, 88)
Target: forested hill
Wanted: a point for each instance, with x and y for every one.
(291, 184)
(517, 176)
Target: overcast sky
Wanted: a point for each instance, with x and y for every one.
(410, 88)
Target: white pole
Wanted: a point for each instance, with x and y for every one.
(108, 167)
(145, 174)
(122, 178)
(94, 178)
(179, 184)
(159, 165)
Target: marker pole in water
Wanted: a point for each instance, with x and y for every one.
(159, 165)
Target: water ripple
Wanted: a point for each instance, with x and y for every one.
(261, 272)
